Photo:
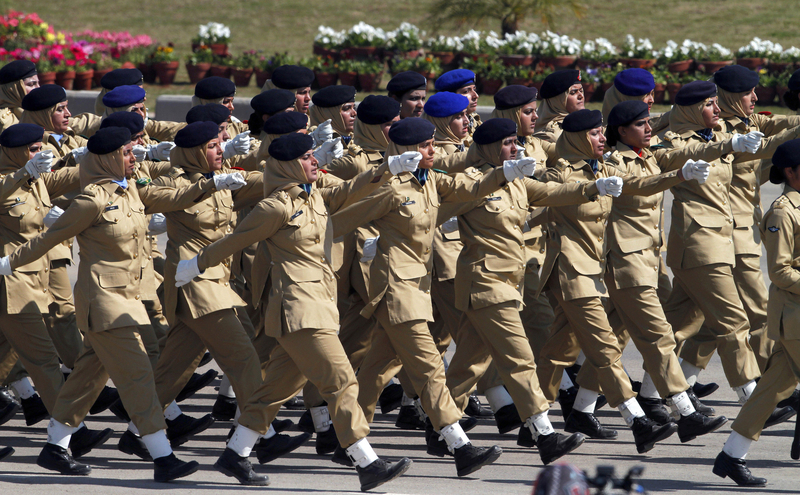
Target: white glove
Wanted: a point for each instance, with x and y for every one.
(520, 152)
(517, 169)
(606, 155)
(697, 170)
(139, 152)
(232, 181)
(323, 132)
(239, 145)
(187, 270)
(407, 162)
(329, 151)
(450, 226)
(158, 224)
(370, 248)
(235, 120)
(40, 163)
(749, 142)
(52, 216)
(160, 151)
(609, 186)
(79, 153)
(5, 266)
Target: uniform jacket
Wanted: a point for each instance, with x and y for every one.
(780, 230)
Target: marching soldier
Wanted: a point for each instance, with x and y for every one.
(408, 88)
(17, 79)
(293, 78)
(561, 95)
(462, 82)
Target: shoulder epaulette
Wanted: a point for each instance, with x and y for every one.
(354, 149)
(780, 202)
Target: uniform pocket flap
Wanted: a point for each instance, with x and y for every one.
(743, 221)
(635, 244)
(305, 274)
(452, 236)
(214, 273)
(113, 280)
(407, 272)
(710, 221)
(501, 265)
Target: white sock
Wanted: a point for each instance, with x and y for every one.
(498, 397)
(420, 410)
(454, 436)
(631, 410)
(24, 388)
(745, 391)
(690, 371)
(133, 429)
(539, 424)
(681, 404)
(157, 444)
(59, 433)
(566, 381)
(243, 440)
(66, 370)
(361, 453)
(172, 411)
(406, 401)
(225, 388)
(585, 400)
(648, 390)
(270, 432)
(322, 418)
(581, 359)
(737, 445)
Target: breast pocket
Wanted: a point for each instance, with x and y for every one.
(112, 223)
(17, 216)
(496, 204)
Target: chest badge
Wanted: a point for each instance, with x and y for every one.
(296, 215)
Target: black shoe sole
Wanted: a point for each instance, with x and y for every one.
(401, 469)
(780, 419)
(571, 429)
(228, 472)
(190, 468)
(490, 456)
(666, 433)
(100, 440)
(723, 475)
(85, 471)
(708, 389)
(715, 426)
(5, 452)
(578, 442)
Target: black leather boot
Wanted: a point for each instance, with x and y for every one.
(294, 404)
(507, 418)
(196, 383)
(476, 410)
(436, 446)
(133, 445)
(340, 457)
(180, 429)
(84, 440)
(280, 425)
(8, 411)
(792, 400)
(779, 415)
(326, 442)
(556, 445)
(232, 464)
(699, 406)
(306, 422)
(704, 389)
(205, 359)
(118, 409)
(525, 437)
(695, 424)
(269, 449)
(654, 409)
(224, 408)
(33, 409)
(170, 468)
(408, 419)
(646, 433)
(380, 472)
(56, 458)
(108, 396)
(391, 398)
(581, 422)
(566, 399)
(470, 458)
(736, 469)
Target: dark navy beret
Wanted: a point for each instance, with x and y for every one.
(494, 130)
(454, 79)
(131, 120)
(21, 135)
(214, 87)
(514, 95)
(43, 97)
(786, 155)
(122, 77)
(634, 82)
(794, 81)
(292, 77)
(559, 82)
(333, 96)
(286, 122)
(695, 92)
(273, 101)
(406, 81)
(122, 96)
(736, 79)
(377, 109)
(196, 134)
(411, 131)
(445, 104)
(109, 139)
(16, 70)
(290, 146)
(626, 112)
(210, 112)
(583, 120)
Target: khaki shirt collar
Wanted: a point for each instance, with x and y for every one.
(792, 195)
(295, 192)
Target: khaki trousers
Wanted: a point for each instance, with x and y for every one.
(494, 334)
(60, 321)
(317, 356)
(711, 290)
(118, 353)
(537, 315)
(749, 280)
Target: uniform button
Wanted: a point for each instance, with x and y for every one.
(512, 207)
(427, 231)
(306, 202)
(40, 229)
(225, 284)
(654, 207)
(713, 164)
(137, 297)
(730, 220)
(322, 260)
(216, 209)
(116, 220)
(47, 269)
(497, 208)
(129, 213)
(44, 290)
(149, 257)
(516, 226)
(655, 268)
(516, 286)
(598, 219)
(426, 210)
(719, 183)
(37, 208)
(724, 201)
(541, 250)
(428, 291)
(136, 277)
(332, 299)
(316, 241)
(312, 220)
(135, 255)
(522, 246)
(600, 238)
(427, 250)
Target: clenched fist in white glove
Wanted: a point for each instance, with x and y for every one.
(79, 153)
(323, 132)
(232, 181)
(158, 224)
(187, 270)
(234, 120)
(139, 152)
(329, 151)
(697, 170)
(239, 145)
(609, 186)
(52, 216)
(517, 169)
(160, 151)
(520, 152)
(41, 163)
(407, 162)
(749, 142)
(450, 226)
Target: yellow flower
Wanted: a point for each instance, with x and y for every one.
(762, 71)
(49, 37)
(44, 25)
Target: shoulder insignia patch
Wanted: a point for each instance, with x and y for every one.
(143, 181)
(773, 229)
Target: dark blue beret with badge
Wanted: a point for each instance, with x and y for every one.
(626, 112)
(333, 96)
(131, 120)
(21, 135)
(17, 70)
(122, 77)
(787, 155)
(514, 95)
(286, 122)
(494, 130)
(445, 104)
(210, 112)
(292, 77)
(44, 97)
(411, 131)
(559, 82)
(406, 81)
(110, 139)
(290, 147)
(582, 120)
(634, 82)
(273, 101)
(377, 109)
(123, 96)
(455, 79)
(196, 134)
(736, 79)
(695, 92)
(214, 87)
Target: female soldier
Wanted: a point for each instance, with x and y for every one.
(562, 94)
(220, 90)
(635, 84)
(17, 78)
(116, 78)
(408, 88)
(337, 105)
(292, 220)
(462, 82)
(267, 104)
(109, 220)
(293, 78)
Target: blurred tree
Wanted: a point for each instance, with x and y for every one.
(509, 12)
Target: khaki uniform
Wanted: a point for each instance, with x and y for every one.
(780, 231)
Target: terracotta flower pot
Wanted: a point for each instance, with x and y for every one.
(765, 95)
(680, 66)
(197, 71)
(148, 73)
(561, 62)
(588, 90)
(640, 63)
(362, 51)
(241, 77)
(775, 67)
(325, 79)
(47, 78)
(166, 72)
(490, 86)
(325, 52)
(520, 81)
(262, 76)
(445, 57)
(710, 67)
(83, 80)
(220, 71)
(516, 60)
(220, 49)
(369, 82)
(672, 90)
(348, 78)
(98, 75)
(658, 93)
(65, 79)
(751, 62)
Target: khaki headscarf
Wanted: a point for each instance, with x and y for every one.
(369, 137)
(730, 104)
(396, 149)
(191, 160)
(443, 134)
(200, 101)
(552, 110)
(318, 115)
(280, 175)
(43, 118)
(575, 146)
(511, 114)
(268, 85)
(266, 140)
(612, 98)
(101, 169)
(99, 108)
(480, 154)
(13, 159)
(11, 96)
(688, 118)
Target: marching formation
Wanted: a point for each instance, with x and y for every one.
(328, 248)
